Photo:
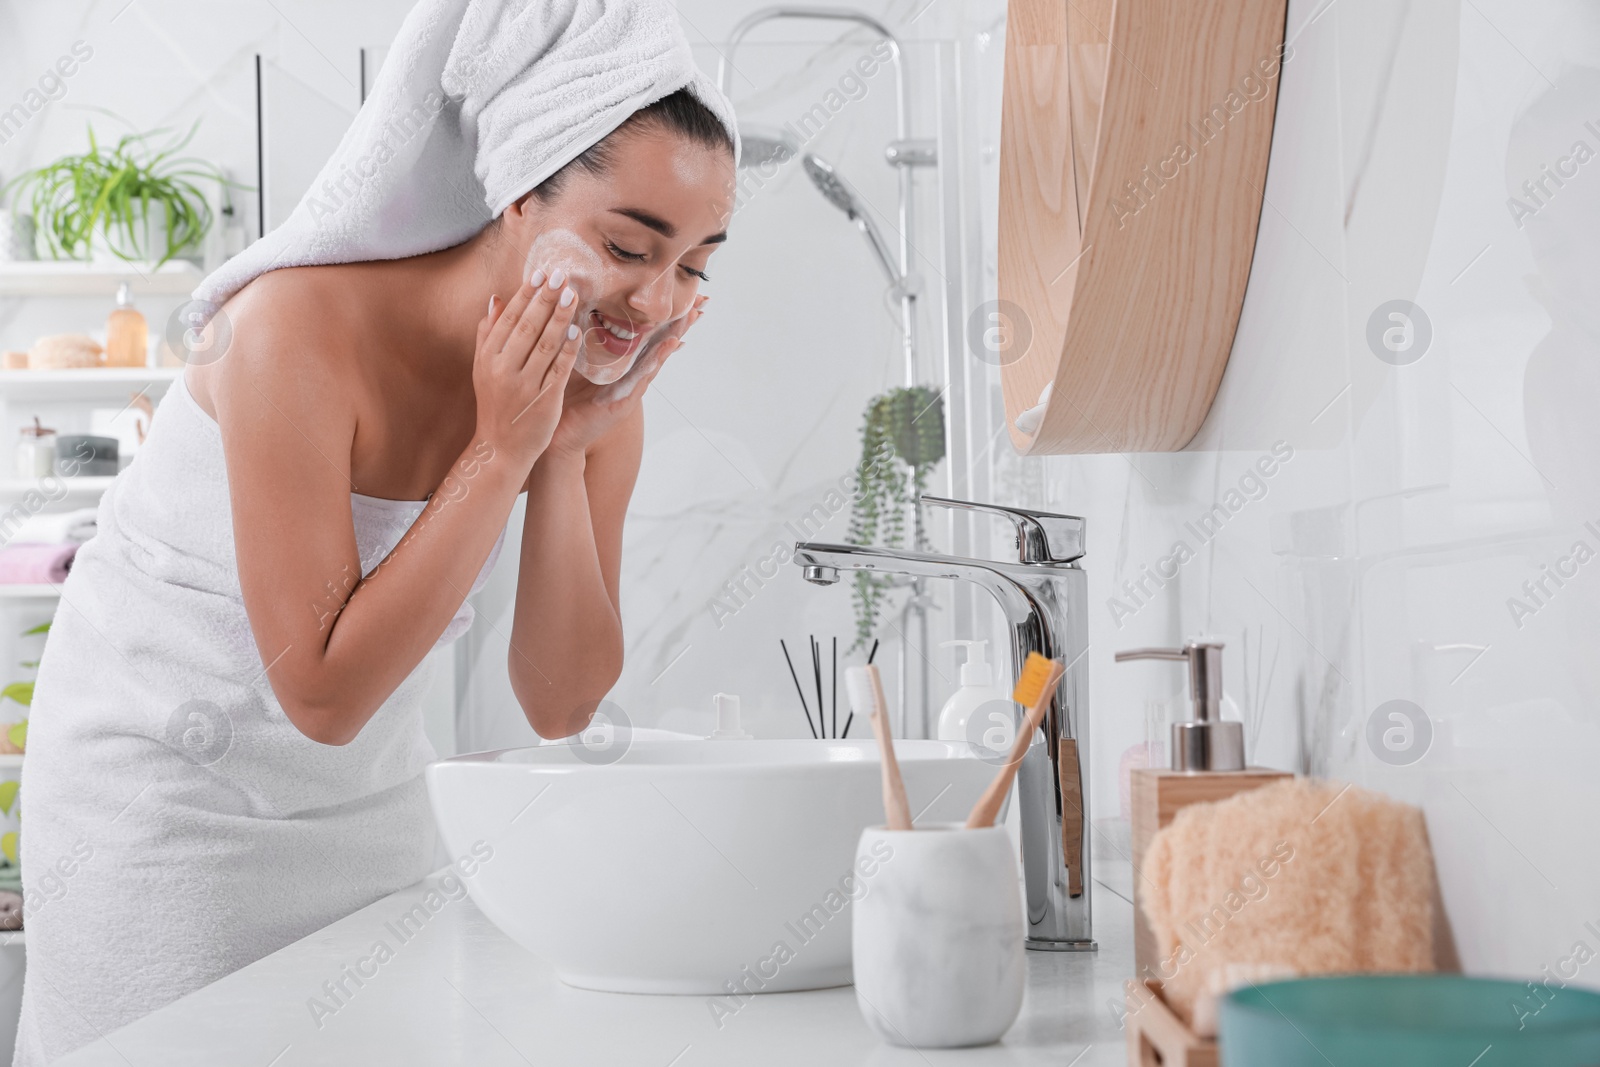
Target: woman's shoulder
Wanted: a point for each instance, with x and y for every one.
(292, 303)
(287, 325)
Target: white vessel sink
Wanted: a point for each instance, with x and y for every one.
(685, 865)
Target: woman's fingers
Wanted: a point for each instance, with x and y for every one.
(661, 358)
(486, 323)
(555, 375)
(508, 317)
(550, 309)
(696, 311)
(557, 332)
(633, 384)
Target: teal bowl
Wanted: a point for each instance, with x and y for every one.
(1408, 1021)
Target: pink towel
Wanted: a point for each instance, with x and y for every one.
(28, 564)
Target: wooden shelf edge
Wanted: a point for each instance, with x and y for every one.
(1137, 329)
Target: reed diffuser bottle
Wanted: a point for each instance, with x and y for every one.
(127, 333)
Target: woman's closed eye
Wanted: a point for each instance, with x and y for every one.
(639, 257)
(623, 254)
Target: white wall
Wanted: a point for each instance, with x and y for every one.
(1381, 561)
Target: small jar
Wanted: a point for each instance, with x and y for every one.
(36, 451)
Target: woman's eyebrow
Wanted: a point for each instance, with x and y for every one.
(644, 218)
(662, 226)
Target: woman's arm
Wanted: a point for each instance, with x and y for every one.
(336, 644)
(566, 636)
(566, 640)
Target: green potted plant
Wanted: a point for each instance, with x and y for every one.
(14, 735)
(134, 201)
(902, 439)
(14, 739)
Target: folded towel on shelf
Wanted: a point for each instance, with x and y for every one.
(1300, 877)
(53, 529)
(477, 102)
(36, 564)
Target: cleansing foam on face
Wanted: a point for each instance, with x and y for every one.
(610, 347)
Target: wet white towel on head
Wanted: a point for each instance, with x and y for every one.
(478, 101)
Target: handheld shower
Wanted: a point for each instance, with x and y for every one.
(839, 193)
(758, 147)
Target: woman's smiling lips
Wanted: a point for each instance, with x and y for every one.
(620, 338)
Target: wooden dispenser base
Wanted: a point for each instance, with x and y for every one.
(1158, 796)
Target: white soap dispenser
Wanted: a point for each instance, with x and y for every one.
(977, 689)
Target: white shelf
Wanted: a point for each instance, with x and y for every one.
(19, 591)
(84, 382)
(78, 489)
(53, 277)
(10, 759)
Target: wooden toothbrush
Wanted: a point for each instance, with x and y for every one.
(865, 690)
(1037, 682)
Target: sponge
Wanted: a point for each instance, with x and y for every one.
(1298, 877)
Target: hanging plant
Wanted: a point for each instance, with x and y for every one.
(902, 439)
(121, 198)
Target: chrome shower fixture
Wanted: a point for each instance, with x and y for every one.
(904, 153)
(827, 180)
(840, 195)
(758, 147)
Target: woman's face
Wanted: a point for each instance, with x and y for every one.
(634, 241)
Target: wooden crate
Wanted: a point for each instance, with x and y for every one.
(1157, 1037)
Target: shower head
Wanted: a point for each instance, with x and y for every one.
(839, 193)
(828, 182)
(758, 147)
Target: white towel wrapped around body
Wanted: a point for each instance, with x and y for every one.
(176, 825)
(477, 103)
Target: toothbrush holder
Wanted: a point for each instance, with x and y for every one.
(937, 940)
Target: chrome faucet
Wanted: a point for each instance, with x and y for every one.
(1044, 597)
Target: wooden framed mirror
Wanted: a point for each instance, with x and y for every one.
(1133, 157)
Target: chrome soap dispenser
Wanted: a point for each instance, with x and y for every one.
(1207, 764)
(1207, 742)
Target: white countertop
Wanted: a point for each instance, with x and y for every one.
(459, 991)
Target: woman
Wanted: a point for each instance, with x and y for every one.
(227, 747)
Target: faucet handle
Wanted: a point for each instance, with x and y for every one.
(1042, 536)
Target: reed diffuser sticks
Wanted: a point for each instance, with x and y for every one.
(826, 723)
(797, 689)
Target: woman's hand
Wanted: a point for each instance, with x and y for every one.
(591, 411)
(524, 356)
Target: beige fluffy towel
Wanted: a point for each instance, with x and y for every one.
(1298, 877)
